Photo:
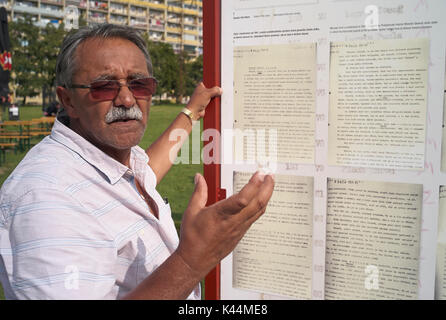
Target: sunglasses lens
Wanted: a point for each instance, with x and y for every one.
(143, 87)
(104, 90)
(108, 89)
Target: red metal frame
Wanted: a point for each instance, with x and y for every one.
(211, 77)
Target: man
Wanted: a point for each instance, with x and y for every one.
(52, 109)
(80, 215)
(5, 101)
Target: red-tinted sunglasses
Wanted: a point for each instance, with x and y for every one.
(109, 89)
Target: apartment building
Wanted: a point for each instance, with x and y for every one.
(177, 22)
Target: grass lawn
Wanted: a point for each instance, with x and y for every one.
(177, 185)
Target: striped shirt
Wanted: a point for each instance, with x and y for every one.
(74, 226)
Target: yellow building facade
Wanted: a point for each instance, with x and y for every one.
(177, 22)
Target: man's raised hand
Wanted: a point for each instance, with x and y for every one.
(201, 97)
(208, 234)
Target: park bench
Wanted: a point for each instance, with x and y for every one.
(17, 134)
(3, 147)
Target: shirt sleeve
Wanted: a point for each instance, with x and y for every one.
(58, 250)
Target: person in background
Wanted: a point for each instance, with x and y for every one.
(52, 109)
(5, 102)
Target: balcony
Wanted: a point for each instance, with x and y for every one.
(51, 10)
(191, 22)
(144, 3)
(21, 7)
(170, 39)
(138, 13)
(155, 4)
(139, 23)
(118, 9)
(173, 30)
(6, 4)
(174, 19)
(156, 34)
(97, 17)
(82, 4)
(192, 42)
(156, 24)
(157, 16)
(53, 2)
(191, 32)
(97, 5)
(118, 20)
(43, 22)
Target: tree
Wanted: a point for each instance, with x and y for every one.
(35, 52)
(165, 66)
(25, 48)
(180, 85)
(51, 38)
(190, 73)
(194, 74)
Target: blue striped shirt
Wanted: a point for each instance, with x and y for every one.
(74, 226)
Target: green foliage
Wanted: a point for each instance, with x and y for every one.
(194, 72)
(50, 42)
(180, 85)
(34, 53)
(51, 38)
(177, 74)
(24, 37)
(165, 65)
(190, 73)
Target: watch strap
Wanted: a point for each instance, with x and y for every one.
(189, 113)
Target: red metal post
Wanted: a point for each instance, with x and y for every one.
(211, 77)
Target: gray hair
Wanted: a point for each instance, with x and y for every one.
(66, 64)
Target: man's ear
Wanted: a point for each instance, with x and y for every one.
(64, 96)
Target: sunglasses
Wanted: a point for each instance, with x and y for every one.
(109, 89)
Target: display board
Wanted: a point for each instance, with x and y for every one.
(343, 100)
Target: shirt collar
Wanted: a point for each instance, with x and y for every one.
(114, 170)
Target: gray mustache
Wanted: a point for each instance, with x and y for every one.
(121, 113)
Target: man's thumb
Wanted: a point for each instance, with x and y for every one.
(200, 195)
(216, 91)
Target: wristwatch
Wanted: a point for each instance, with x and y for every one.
(190, 115)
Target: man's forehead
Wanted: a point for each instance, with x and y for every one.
(112, 76)
(107, 58)
(100, 43)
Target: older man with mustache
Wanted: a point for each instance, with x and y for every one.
(80, 215)
(119, 114)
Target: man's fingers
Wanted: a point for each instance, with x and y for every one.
(258, 204)
(250, 214)
(239, 201)
(215, 91)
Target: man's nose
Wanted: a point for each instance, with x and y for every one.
(125, 97)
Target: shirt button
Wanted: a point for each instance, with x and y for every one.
(141, 233)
